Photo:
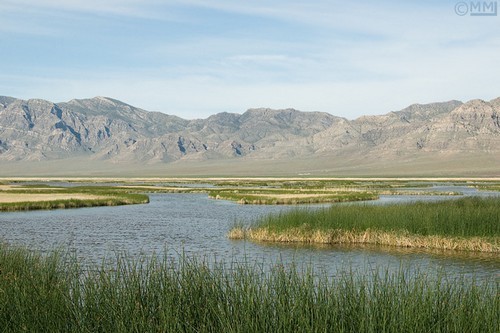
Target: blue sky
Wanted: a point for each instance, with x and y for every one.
(194, 58)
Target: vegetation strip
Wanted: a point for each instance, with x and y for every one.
(53, 294)
(471, 224)
(263, 191)
(367, 237)
(289, 197)
(77, 197)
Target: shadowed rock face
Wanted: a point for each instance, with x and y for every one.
(106, 129)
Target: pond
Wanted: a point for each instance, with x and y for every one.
(194, 225)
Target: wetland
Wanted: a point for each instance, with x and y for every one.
(145, 263)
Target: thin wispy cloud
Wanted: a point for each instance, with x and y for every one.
(196, 57)
(113, 7)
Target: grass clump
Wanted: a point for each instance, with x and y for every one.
(488, 187)
(128, 199)
(73, 197)
(52, 294)
(289, 197)
(467, 224)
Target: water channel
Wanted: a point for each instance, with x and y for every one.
(194, 225)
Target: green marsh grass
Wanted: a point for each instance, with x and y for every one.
(129, 199)
(107, 196)
(53, 294)
(488, 187)
(289, 197)
(316, 191)
(466, 223)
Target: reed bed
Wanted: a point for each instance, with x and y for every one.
(464, 224)
(105, 197)
(52, 294)
(290, 197)
(490, 187)
(373, 237)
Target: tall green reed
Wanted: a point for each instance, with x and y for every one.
(465, 217)
(51, 293)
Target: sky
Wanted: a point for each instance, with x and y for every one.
(194, 58)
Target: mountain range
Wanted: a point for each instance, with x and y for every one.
(105, 136)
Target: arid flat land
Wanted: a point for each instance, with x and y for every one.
(238, 179)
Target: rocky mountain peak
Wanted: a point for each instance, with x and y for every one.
(102, 128)
(5, 101)
(474, 108)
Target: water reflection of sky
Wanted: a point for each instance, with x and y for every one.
(194, 225)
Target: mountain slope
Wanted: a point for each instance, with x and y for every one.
(104, 129)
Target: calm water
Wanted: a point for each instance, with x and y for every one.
(193, 224)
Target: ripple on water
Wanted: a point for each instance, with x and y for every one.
(193, 224)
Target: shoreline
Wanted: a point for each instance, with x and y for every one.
(45, 200)
(466, 224)
(366, 237)
(69, 203)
